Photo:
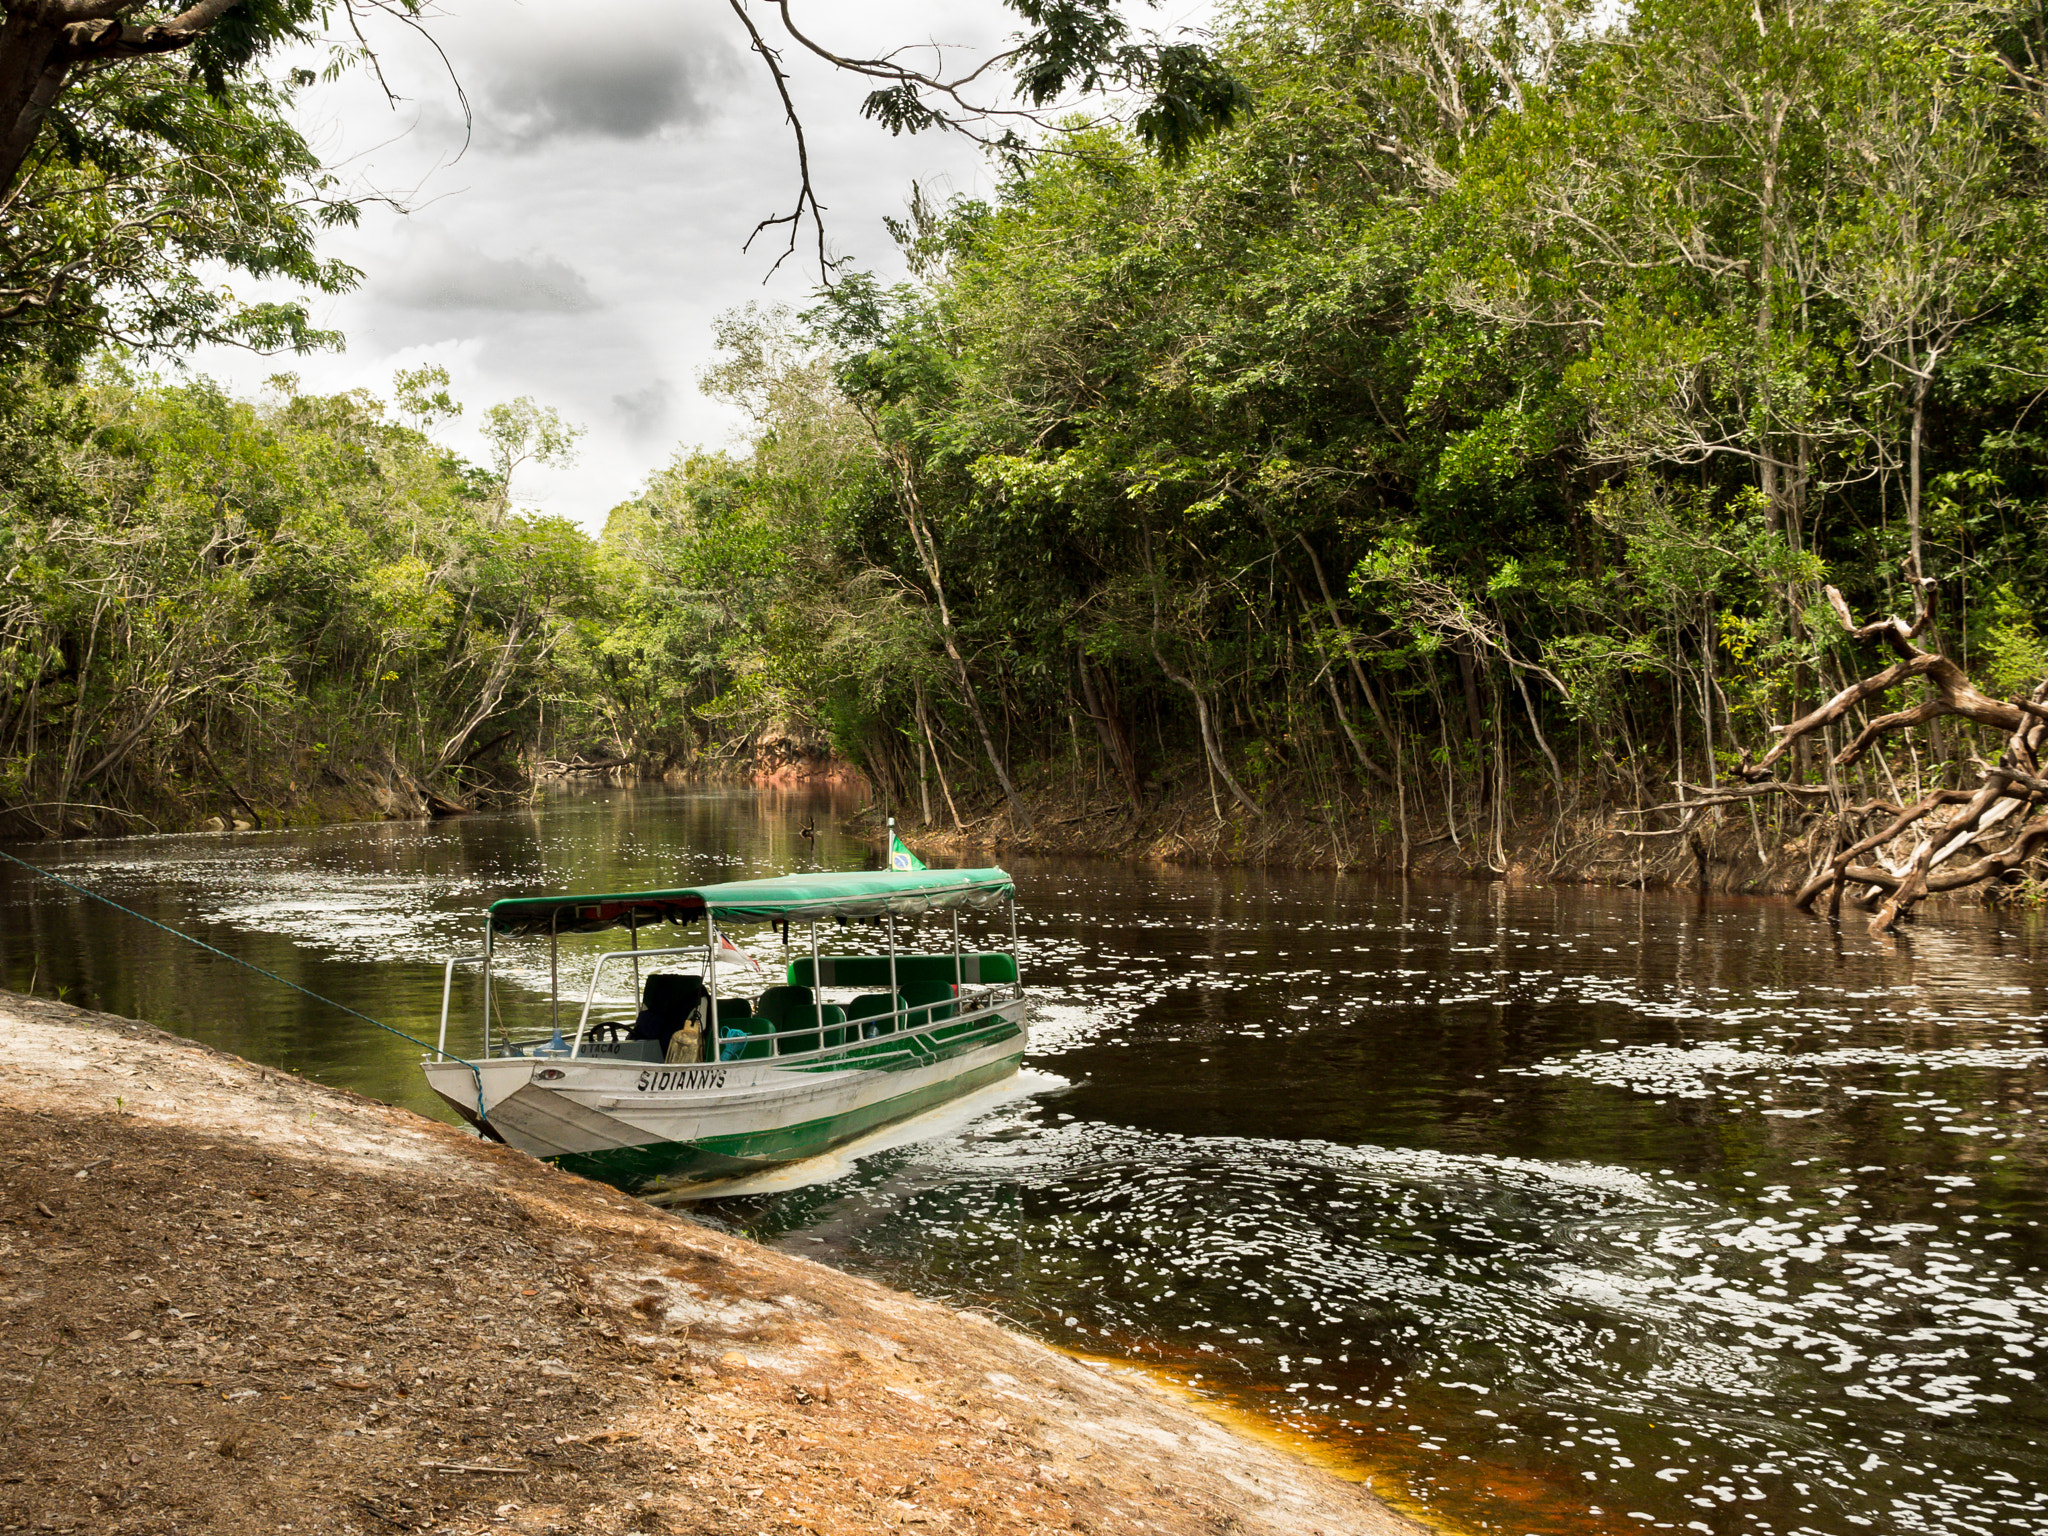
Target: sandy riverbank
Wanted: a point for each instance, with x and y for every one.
(232, 1301)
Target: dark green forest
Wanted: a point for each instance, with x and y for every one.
(1512, 420)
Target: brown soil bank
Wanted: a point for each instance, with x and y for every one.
(232, 1301)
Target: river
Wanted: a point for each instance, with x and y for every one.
(1546, 1210)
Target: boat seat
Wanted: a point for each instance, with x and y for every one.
(739, 1031)
(877, 1009)
(834, 1015)
(787, 1008)
(667, 999)
(993, 968)
(928, 1001)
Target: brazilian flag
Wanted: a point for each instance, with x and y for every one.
(901, 859)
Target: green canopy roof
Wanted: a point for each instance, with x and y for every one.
(804, 898)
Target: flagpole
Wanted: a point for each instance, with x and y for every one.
(902, 1019)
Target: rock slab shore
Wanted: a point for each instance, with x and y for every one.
(232, 1301)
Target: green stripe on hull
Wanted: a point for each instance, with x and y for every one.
(722, 1157)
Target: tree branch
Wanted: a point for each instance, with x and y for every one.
(806, 196)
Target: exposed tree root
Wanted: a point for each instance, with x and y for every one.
(2004, 789)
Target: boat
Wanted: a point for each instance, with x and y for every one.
(704, 1082)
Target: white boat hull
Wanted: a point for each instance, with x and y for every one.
(645, 1126)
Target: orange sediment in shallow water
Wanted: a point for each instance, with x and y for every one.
(1386, 1464)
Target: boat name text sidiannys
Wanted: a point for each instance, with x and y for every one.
(680, 1077)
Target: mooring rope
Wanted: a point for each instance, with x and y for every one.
(248, 965)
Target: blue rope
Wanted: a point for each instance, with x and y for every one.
(37, 869)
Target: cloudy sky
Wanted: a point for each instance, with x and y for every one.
(576, 248)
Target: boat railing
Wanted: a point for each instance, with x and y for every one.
(448, 987)
(966, 1007)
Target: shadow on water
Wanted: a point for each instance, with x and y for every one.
(1552, 1210)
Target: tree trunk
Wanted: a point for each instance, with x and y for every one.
(1914, 440)
(931, 743)
(487, 703)
(43, 45)
(1468, 680)
(1213, 752)
(928, 556)
(1100, 706)
(1357, 671)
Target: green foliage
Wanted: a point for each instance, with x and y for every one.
(1083, 48)
(1481, 394)
(520, 432)
(2011, 655)
(210, 601)
(146, 183)
(1505, 383)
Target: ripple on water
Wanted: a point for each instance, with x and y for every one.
(1560, 1212)
(1683, 1354)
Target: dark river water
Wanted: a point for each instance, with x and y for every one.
(1547, 1210)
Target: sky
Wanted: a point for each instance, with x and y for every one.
(575, 240)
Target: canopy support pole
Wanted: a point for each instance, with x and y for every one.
(633, 927)
(490, 947)
(817, 982)
(1013, 937)
(895, 993)
(711, 982)
(554, 969)
(959, 972)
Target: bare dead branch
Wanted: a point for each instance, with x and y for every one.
(806, 195)
(2029, 837)
(1905, 893)
(1831, 872)
(2029, 781)
(2002, 788)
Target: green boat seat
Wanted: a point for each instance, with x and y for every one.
(834, 1015)
(789, 1008)
(831, 1015)
(738, 1031)
(928, 1002)
(785, 1007)
(874, 1012)
(979, 969)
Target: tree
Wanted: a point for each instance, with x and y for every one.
(144, 181)
(137, 149)
(1945, 822)
(1926, 239)
(49, 47)
(1067, 48)
(521, 432)
(422, 395)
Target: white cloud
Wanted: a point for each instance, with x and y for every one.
(439, 275)
(626, 77)
(575, 243)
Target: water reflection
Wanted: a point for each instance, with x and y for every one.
(365, 913)
(1556, 1210)
(1560, 1210)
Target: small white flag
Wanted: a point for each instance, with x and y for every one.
(730, 953)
